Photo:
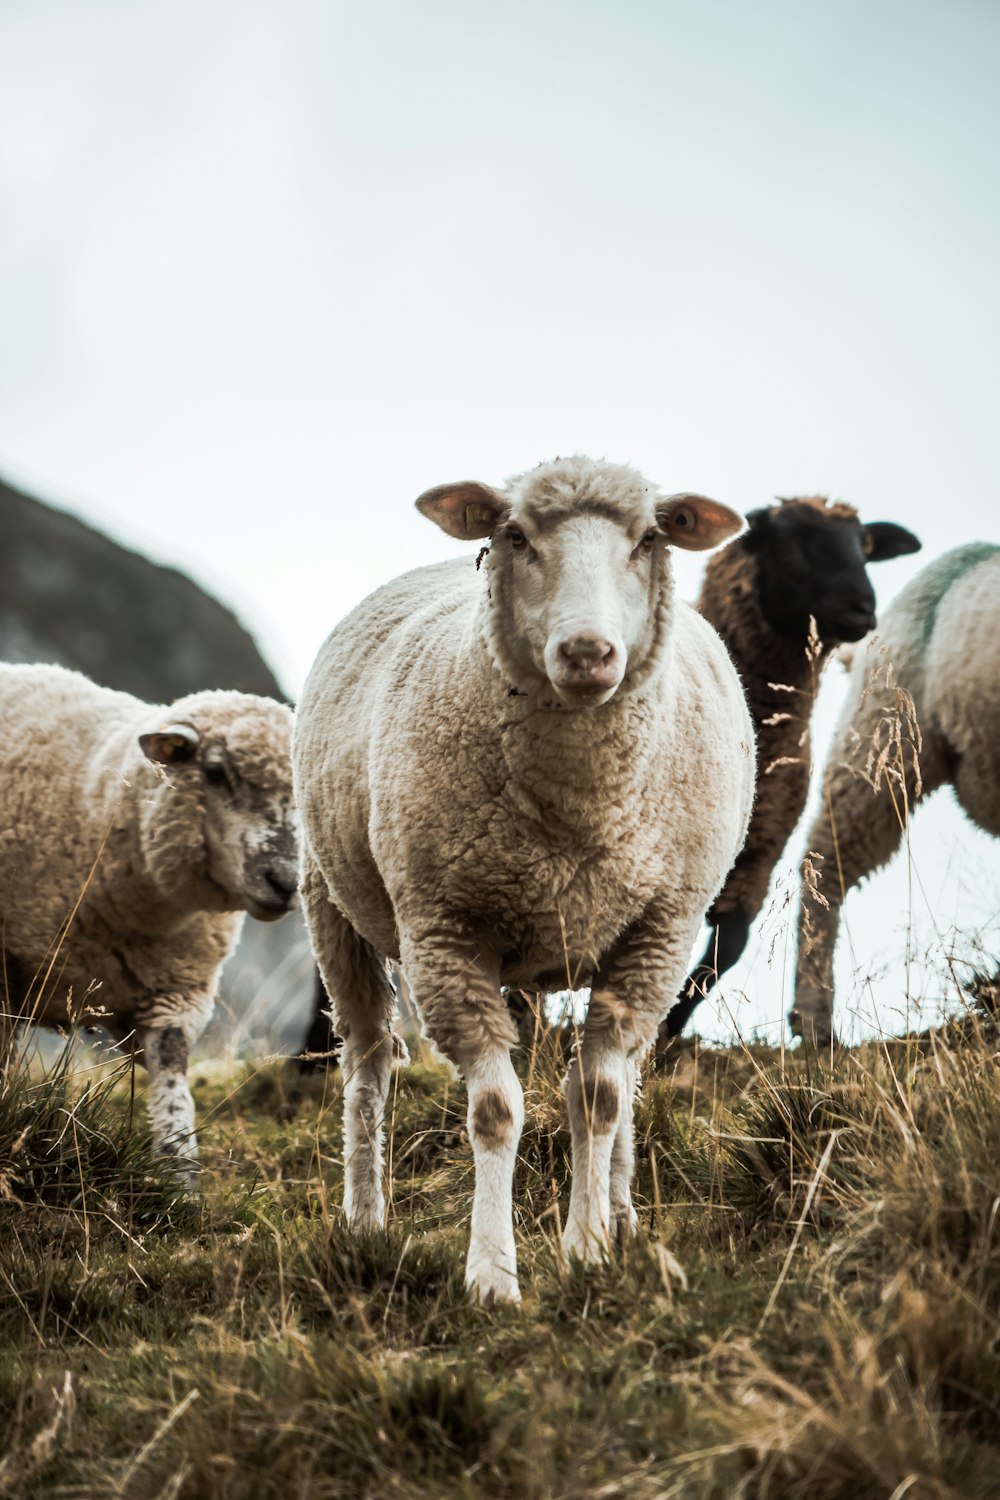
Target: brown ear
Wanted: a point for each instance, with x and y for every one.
(694, 522)
(466, 509)
(170, 745)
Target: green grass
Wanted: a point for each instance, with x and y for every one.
(811, 1307)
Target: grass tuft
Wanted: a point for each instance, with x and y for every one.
(75, 1147)
(811, 1307)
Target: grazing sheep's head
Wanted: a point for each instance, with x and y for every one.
(230, 817)
(579, 571)
(812, 561)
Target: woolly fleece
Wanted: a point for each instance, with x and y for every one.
(457, 820)
(111, 909)
(780, 682)
(939, 643)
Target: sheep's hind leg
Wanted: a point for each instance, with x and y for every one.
(320, 1049)
(363, 1006)
(470, 1024)
(599, 1096)
(725, 945)
(623, 1215)
(856, 831)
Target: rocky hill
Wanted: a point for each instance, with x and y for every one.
(71, 595)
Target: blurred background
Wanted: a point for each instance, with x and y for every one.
(268, 272)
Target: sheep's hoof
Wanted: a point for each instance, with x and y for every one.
(490, 1285)
(668, 1052)
(586, 1245)
(815, 1031)
(626, 1222)
(184, 1172)
(367, 1218)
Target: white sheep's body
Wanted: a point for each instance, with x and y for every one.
(124, 878)
(938, 648)
(461, 821)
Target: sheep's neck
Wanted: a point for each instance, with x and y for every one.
(565, 766)
(778, 674)
(143, 905)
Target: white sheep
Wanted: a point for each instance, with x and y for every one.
(923, 711)
(535, 774)
(132, 840)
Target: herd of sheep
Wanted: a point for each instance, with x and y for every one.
(528, 769)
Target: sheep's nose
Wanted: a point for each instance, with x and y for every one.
(862, 608)
(587, 650)
(284, 882)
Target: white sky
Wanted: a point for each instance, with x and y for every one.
(267, 272)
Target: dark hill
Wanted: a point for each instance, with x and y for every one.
(71, 595)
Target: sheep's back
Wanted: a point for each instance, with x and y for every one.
(963, 681)
(354, 699)
(63, 738)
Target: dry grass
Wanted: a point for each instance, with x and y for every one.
(811, 1309)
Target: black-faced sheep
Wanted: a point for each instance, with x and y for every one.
(800, 560)
(132, 840)
(923, 711)
(502, 775)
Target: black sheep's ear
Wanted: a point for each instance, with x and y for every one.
(466, 509)
(170, 745)
(759, 527)
(884, 539)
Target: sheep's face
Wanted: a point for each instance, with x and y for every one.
(580, 570)
(235, 773)
(812, 561)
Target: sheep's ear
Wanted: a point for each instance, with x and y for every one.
(466, 509)
(884, 539)
(760, 526)
(170, 745)
(694, 522)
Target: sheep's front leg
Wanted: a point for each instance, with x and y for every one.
(366, 1064)
(165, 1053)
(495, 1119)
(621, 1023)
(623, 1216)
(466, 1019)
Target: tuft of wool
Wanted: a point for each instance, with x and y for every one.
(922, 711)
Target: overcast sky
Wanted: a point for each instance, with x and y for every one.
(267, 272)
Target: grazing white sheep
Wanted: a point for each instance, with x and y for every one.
(923, 711)
(132, 840)
(535, 774)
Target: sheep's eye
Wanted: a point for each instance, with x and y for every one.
(215, 774)
(517, 537)
(646, 544)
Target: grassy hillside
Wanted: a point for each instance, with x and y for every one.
(811, 1309)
